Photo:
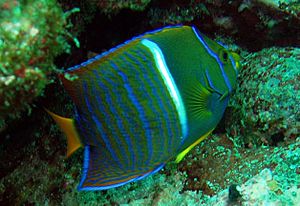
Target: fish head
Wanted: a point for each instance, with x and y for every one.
(222, 70)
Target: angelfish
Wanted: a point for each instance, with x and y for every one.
(145, 102)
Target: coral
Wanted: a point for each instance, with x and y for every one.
(32, 33)
(267, 98)
(262, 189)
(277, 183)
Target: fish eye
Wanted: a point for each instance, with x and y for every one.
(224, 56)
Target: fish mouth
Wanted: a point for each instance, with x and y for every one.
(224, 96)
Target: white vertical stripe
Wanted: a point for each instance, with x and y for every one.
(169, 82)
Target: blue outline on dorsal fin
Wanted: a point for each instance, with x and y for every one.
(106, 53)
(218, 42)
(222, 44)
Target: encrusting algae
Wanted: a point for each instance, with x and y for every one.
(28, 45)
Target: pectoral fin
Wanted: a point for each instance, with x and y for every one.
(198, 101)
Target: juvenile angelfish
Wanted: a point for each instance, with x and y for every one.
(145, 102)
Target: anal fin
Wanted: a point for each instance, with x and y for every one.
(181, 155)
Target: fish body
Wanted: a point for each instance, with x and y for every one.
(147, 101)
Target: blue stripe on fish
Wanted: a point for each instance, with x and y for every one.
(145, 121)
(100, 128)
(214, 55)
(172, 134)
(106, 159)
(108, 117)
(210, 81)
(159, 167)
(137, 153)
(120, 120)
(87, 123)
(125, 118)
(79, 123)
(85, 167)
(157, 96)
(137, 105)
(82, 119)
(169, 82)
(135, 179)
(103, 179)
(223, 45)
(153, 90)
(110, 179)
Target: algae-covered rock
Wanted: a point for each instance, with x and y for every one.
(268, 96)
(32, 33)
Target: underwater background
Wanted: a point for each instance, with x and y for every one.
(251, 158)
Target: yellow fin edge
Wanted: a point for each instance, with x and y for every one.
(68, 127)
(181, 155)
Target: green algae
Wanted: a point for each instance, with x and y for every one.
(32, 34)
(268, 96)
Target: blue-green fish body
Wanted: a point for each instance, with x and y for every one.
(147, 101)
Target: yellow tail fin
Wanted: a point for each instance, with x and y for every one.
(68, 127)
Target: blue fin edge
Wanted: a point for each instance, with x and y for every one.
(86, 167)
(95, 58)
